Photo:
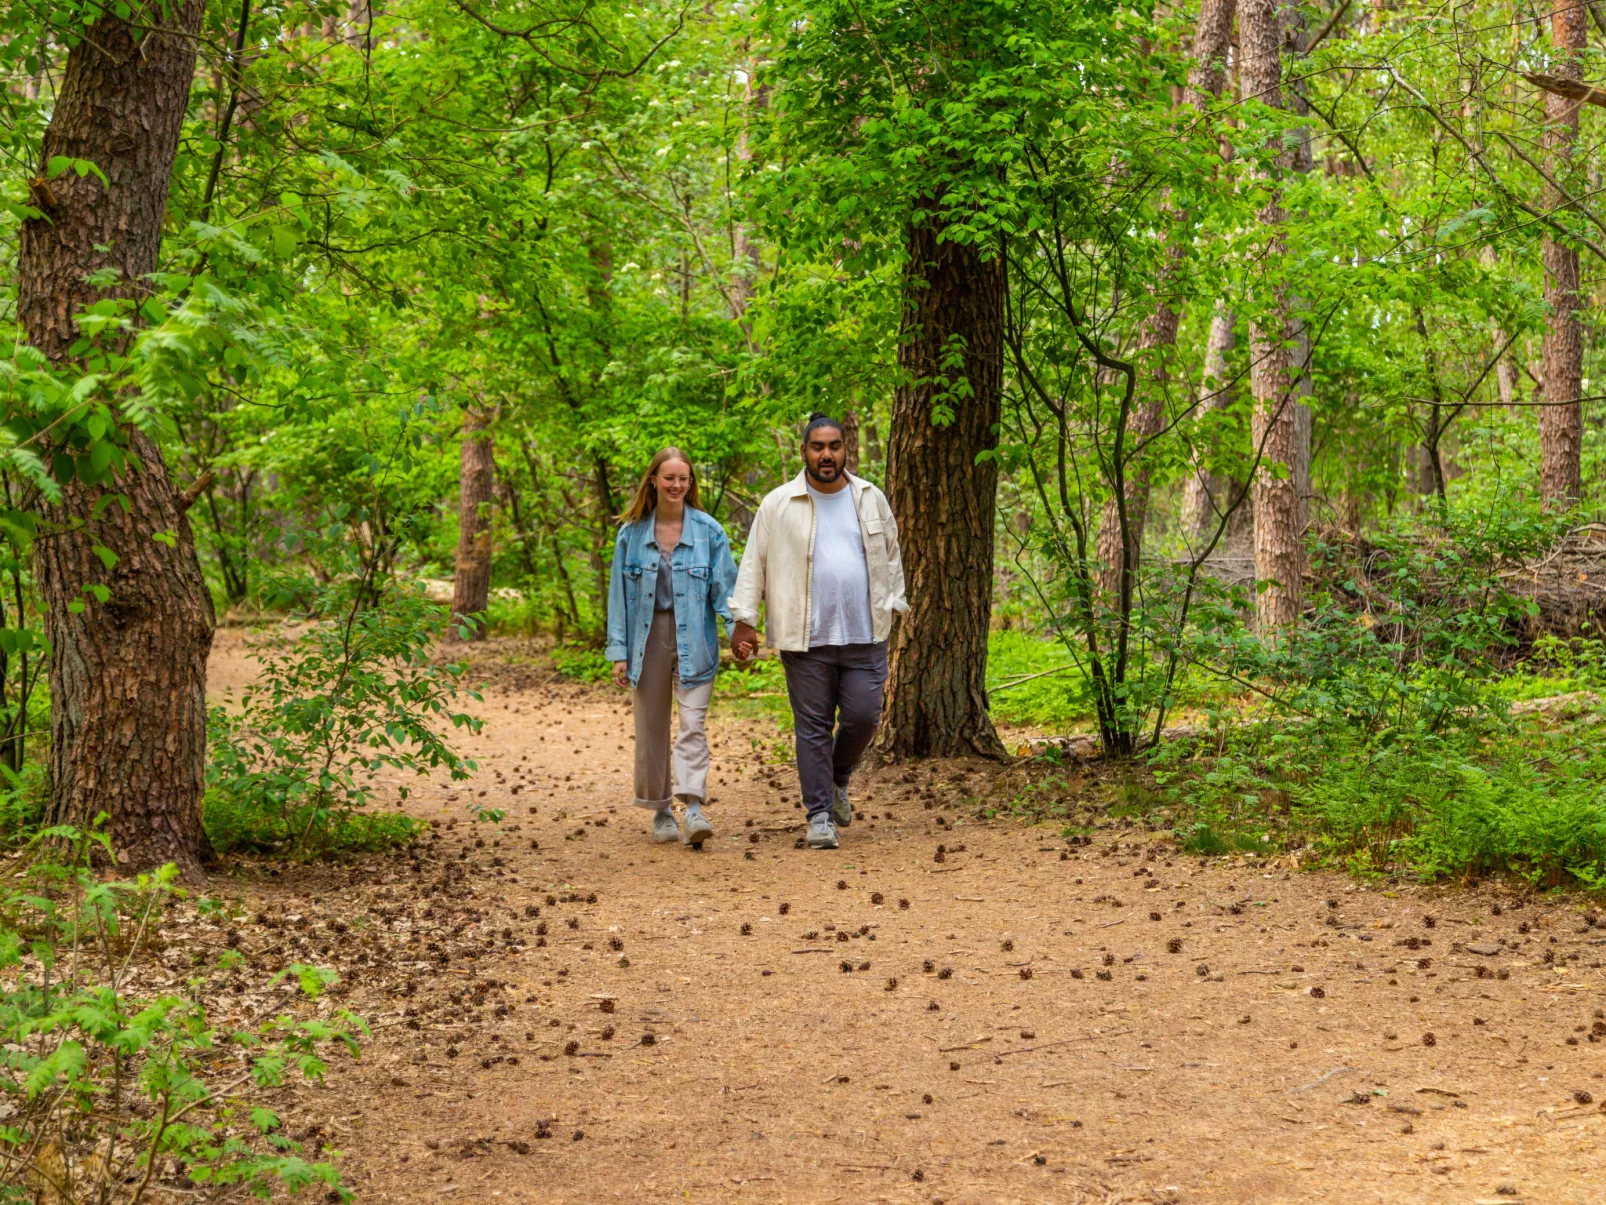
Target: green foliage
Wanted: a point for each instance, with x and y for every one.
(355, 693)
(1391, 742)
(102, 1087)
(581, 663)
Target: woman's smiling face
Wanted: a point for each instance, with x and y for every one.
(673, 480)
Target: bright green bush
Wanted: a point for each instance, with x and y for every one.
(102, 1088)
(357, 692)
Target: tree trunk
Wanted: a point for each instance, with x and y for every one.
(1274, 374)
(1207, 494)
(127, 677)
(944, 501)
(850, 441)
(1119, 552)
(1561, 420)
(1115, 547)
(471, 591)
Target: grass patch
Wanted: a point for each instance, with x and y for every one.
(237, 823)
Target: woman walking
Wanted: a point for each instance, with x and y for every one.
(672, 574)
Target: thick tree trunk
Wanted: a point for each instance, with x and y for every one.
(1561, 420)
(1212, 38)
(127, 677)
(471, 590)
(1276, 367)
(944, 502)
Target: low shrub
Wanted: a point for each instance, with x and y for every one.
(110, 1096)
(357, 692)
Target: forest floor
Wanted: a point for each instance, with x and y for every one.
(1021, 1021)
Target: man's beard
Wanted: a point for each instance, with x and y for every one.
(836, 471)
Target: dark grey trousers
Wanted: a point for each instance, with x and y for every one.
(836, 693)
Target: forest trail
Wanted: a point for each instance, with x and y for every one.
(1278, 1055)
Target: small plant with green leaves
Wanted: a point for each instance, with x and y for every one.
(356, 693)
(107, 1096)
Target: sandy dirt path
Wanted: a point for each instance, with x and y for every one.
(565, 1012)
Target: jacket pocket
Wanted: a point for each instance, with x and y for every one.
(697, 581)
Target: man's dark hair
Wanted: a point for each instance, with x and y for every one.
(818, 420)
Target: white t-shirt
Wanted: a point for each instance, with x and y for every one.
(840, 589)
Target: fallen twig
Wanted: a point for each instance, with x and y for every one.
(1319, 1082)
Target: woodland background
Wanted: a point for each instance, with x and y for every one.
(1232, 361)
(1231, 369)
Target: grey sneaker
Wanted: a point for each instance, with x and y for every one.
(841, 806)
(697, 828)
(664, 828)
(822, 833)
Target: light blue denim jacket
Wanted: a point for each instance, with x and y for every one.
(704, 575)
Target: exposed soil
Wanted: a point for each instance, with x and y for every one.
(565, 1012)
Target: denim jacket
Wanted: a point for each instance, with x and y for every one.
(704, 576)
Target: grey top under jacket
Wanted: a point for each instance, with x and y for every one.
(663, 594)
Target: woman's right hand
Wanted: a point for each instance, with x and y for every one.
(621, 673)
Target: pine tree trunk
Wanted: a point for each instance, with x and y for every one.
(471, 591)
(1561, 420)
(128, 677)
(1207, 494)
(1274, 374)
(944, 502)
(850, 441)
(1119, 552)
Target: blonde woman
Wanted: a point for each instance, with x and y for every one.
(672, 574)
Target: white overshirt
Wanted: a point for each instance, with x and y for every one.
(778, 564)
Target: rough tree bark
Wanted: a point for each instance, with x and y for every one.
(471, 589)
(127, 678)
(1275, 371)
(1561, 419)
(944, 502)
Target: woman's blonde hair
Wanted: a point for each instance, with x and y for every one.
(646, 499)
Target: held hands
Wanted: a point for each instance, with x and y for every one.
(744, 641)
(621, 673)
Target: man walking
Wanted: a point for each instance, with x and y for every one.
(823, 559)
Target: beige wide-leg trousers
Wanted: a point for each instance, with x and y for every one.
(668, 770)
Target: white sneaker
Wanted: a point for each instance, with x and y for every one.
(664, 828)
(841, 806)
(697, 828)
(821, 833)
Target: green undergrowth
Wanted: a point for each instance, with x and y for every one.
(118, 1090)
(1525, 798)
